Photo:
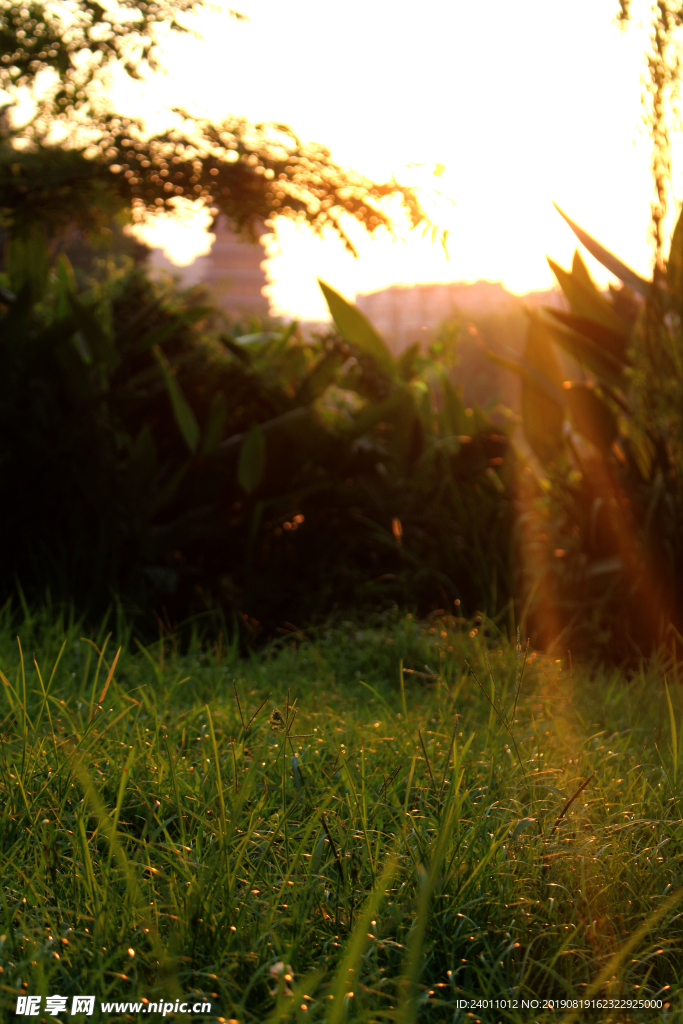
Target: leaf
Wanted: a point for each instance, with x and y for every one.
(27, 262)
(517, 364)
(542, 414)
(407, 361)
(454, 409)
(674, 266)
(522, 826)
(66, 285)
(674, 736)
(319, 378)
(608, 259)
(263, 337)
(88, 319)
(584, 300)
(215, 423)
(142, 464)
(355, 327)
(399, 404)
(184, 417)
(581, 272)
(252, 463)
(608, 347)
(591, 416)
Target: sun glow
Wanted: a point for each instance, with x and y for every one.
(491, 123)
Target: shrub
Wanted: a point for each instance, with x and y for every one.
(603, 549)
(149, 455)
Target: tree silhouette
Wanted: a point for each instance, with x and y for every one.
(104, 162)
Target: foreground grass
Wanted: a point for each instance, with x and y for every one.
(317, 841)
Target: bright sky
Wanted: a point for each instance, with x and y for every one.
(521, 102)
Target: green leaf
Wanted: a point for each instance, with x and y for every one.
(27, 262)
(674, 266)
(184, 417)
(517, 364)
(454, 410)
(89, 320)
(612, 343)
(522, 826)
(608, 259)
(215, 423)
(252, 464)
(355, 327)
(584, 340)
(66, 286)
(400, 403)
(542, 414)
(581, 272)
(585, 300)
(591, 416)
(319, 378)
(407, 361)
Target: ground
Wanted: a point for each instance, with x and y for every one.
(376, 822)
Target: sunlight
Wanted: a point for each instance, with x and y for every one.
(525, 119)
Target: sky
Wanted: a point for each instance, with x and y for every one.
(515, 104)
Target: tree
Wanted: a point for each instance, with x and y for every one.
(105, 162)
(660, 95)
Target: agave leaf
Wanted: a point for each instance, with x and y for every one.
(584, 300)
(542, 414)
(612, 345)
(252, 464)
(184, 417)
(581, 271)
(592, 417)
(674, 266)
(355, 327)
(583, 340)
(608, 259)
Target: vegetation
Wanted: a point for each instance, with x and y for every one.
(602, 547)
(79, 161)
(273, 477)
(317, 832)
(660, 99)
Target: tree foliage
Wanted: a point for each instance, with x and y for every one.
(106, 162)
(145, 453)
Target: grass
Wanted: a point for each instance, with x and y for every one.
(314, 834)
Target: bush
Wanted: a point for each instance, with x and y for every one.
(149, 455)
(603, 530)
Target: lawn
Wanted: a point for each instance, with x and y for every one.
(315, 833)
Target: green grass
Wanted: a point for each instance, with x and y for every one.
(403, 843)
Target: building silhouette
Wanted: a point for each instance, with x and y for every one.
(232, 272)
